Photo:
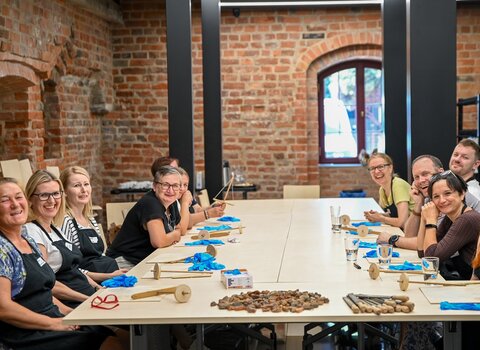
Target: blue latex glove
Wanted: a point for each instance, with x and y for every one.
(368, 245)
(228, 219)
(120, 281)
(198, 258)
(366, 223)
(233, 272)
(215, 228)
(353, 232)
(204, 242)
(373, 254)
(445, 305)
(406, 266)
(206, 266)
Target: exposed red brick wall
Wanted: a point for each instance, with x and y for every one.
(269, 68)
(468, 59)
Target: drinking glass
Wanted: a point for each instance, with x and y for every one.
(384, 254)
(430, 266)
(352, 244)
(335, 217)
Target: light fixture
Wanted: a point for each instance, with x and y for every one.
(318, 3)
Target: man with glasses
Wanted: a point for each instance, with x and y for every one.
(464, 163)
(423, 168)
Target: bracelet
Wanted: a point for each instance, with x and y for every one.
(415, 213)
(206, 215)
(431, 226)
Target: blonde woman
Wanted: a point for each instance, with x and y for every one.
(80, 227)
(394, 192)
(31, 318)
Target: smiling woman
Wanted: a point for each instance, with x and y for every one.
(155, 221)
(30, 316)
(394, 192)
(458, 231)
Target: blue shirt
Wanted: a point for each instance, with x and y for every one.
(11, 262)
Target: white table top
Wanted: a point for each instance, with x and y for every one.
(286, 244)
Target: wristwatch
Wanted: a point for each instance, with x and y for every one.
(393, 239)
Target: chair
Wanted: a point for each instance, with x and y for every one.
(116, 212)
(54, 170)
(203, 199)
(19, 170)
(301, 191)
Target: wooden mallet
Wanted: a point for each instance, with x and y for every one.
(374, 271)
(204, 234)
(403, 282)
(182, 293)
(362, 230)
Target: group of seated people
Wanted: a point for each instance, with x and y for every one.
(52, 254)
(438, 212)
(439, 215)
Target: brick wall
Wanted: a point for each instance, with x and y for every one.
(69, 51)
(468, 59)
(270, 61)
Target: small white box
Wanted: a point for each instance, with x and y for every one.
(238, 280)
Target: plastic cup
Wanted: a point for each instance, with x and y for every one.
(335, 217)
(430, 266)
(384, 254)
(351, 247)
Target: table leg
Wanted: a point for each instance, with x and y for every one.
(452, 335)
(199, 340)
(361, 336)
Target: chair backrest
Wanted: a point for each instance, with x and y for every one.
(12, 168)
(116, 212)
(203, 199)
(301, 191)
(55, 170)
(26, 169)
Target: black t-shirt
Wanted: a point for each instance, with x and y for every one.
(133, 241)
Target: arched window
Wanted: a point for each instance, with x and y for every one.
(350, 111)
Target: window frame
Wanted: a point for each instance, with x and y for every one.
(359, 65)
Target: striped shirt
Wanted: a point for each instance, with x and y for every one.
(70, 232)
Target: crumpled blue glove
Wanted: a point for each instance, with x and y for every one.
(445, 305)
(373, 254)
(366, 223)
(369, 245)
(203, 262)
(204, 242)
(228, 219)
(233, 272)
(198, 258)
(406, 266)
(120, 281)
(215, 228)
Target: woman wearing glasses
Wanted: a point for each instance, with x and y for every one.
(394, 192)
(454, 240)
(31, 318)
(155, 221)
(80, 227)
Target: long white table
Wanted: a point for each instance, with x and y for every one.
(287, 244)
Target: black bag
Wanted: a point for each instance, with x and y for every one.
(224, 338)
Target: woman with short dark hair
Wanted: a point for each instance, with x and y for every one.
(454, 240)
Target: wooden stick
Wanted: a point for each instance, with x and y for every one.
(232, 178)
(351, 305)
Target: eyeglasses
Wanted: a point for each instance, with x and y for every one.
(111, 301)
(165, 186)
(380, 167)
(444, 175)
(44, 196)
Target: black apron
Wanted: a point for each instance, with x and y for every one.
(69, 274)
(36, 296)
(392, 208)
(92, 247)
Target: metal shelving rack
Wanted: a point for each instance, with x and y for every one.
(465, 133)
